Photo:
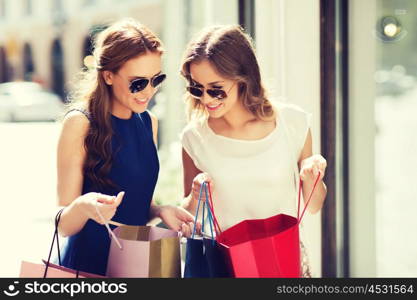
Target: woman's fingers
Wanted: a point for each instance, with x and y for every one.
(104, 212)
(100, 207)
(119, 198)
(197, 183)
(203, 177)
(98, 219)
(315, 170)
(190, 227)
(186, 230)
(184, 215)
(311, 172)
(105, 199)
(197, 227)
(206, 178)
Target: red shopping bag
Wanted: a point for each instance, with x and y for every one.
(263, 247)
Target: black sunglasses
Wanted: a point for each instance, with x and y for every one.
(139, 84)
(218, 93)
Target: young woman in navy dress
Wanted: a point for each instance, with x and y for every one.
(107, 147)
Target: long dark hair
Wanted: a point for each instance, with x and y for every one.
(230, 51)
(113, 47)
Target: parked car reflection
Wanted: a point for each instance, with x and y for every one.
(28, 101)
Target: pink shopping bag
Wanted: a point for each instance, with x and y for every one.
(144, 251)
(50, 270)
(45, 270)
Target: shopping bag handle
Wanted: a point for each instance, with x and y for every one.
(197, 211)
(211, 207)
(111, 222)
(57, 218)
(106, 224)
(296, 171)
(209, 219)
(200, 196)
(209, 214)
(309, 198)
(55, 237)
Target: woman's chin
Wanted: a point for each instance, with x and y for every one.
(215, 114)
(139, 108)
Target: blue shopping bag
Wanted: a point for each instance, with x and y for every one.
(204, 258)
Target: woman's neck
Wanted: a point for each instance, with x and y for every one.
(120, 111)
(237, 118)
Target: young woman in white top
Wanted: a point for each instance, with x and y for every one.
(246, 147)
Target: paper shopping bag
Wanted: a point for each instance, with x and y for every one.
(145, 251)
(263, 247)
(45, 270)
(48, 269)
(204, 258)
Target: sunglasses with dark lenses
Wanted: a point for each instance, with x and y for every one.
(140, 84)
(197, 93)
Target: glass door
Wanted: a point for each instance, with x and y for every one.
(382, 137)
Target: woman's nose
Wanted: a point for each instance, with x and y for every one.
(205, 98)
(148, 91)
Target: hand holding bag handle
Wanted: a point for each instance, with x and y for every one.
(106, 224)
(211, 209)
(197, 211)
(57, 218)
(203, 257)
(306, 272)
(209, 212)
(210, 218)
(299, 218)
(55, 237)
(297, 178)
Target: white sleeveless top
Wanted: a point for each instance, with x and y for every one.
(253, 179)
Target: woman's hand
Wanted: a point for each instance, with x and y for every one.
(196, 186)
(177, 218)
(107, 205)
(199, 179)
(311, 166)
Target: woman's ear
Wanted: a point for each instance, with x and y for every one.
(241, 88)
(108, 77)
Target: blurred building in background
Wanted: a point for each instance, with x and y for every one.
(48, 40)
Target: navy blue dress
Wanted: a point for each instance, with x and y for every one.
(135, 169)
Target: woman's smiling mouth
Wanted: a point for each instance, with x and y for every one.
(214, 107)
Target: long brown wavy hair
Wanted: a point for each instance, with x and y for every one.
(230, 51)
(113, 47)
